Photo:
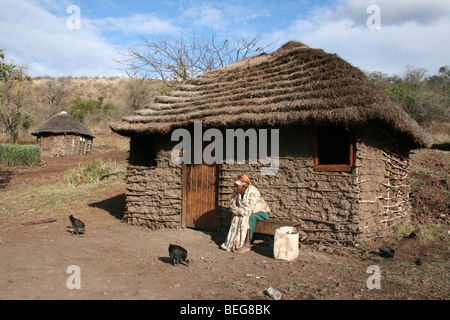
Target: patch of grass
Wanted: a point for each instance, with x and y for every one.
(13, 155)
(95, 172)
(439, 131)
(56, 201)
(429, 231)
(106, 142)
(402, 229)
(433, 232)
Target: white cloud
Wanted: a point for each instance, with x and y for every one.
(413, 32)
(413, 40)
(392, 12)
(205, 15)
(222, 16)
(33, 36)
(137, 23)
(389, 49)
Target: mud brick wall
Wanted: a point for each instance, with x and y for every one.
(325, 202)
(68, 145)
(370, 170)
(153, 184)
(383, 186)
(345, 207)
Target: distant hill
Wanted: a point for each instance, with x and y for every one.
(43, 97)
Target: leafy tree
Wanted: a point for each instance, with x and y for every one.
(12, 98)
(426, 99)
(92, 108)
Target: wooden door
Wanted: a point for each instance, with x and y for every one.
(46, 143)
(200, 194)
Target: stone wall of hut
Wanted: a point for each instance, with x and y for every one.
(65, 145)
(345, 207)
(324, 202)
(382, 177)
(153, 197)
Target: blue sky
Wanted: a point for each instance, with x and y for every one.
(41, 33)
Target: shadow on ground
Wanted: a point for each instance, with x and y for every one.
(5, 178)
(263, 245)
(115, 206)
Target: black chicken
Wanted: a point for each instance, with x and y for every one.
(77, 225)
(178, 254)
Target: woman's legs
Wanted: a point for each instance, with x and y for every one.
(246, 246)
(252, 223)
(258, 216)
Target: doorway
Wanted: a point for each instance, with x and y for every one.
(200, 196)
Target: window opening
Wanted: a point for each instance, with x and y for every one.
(333, 149)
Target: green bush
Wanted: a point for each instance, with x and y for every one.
(94, 172)
(94, 109)
(425, 99)
(19, 155)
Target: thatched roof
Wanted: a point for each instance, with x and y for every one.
(62, 123)
(294, 85)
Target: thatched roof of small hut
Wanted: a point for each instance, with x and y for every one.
(62, 123)
(294, 85)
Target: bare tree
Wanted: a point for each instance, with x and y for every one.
(175, 60)
(139, 91)
(57, 91)
(415, 75)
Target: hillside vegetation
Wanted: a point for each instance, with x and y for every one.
(425, 98)
(95, 101)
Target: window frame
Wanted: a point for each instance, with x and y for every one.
(332, 167)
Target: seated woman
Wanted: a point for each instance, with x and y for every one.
(247, 207)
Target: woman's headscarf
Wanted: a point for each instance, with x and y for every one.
(242, 180)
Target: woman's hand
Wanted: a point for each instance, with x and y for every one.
(235, 199)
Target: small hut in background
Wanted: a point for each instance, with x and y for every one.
(62, 135)
(343, 148)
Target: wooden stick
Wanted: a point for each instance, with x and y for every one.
(30, 223)
(329, 230)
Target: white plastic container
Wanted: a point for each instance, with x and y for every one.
(286, 244)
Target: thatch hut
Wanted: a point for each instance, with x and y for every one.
(62, 135)
(343, 148)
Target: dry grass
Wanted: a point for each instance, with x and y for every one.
(58, 200)
(105, 142)
(51, 201)
(95, 172)
(440, 132)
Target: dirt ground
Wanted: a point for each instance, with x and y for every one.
(120, 261)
